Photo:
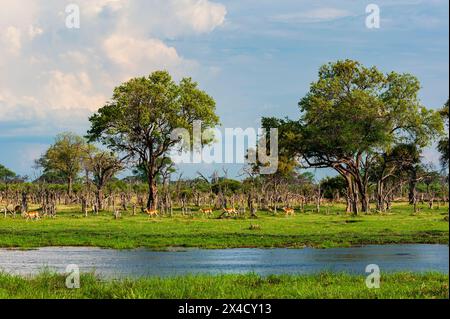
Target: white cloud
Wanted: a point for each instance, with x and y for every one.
(94, 7)
(312, 16)
(34, 31)
(53, 78)
(18, 13)
(137, 56)
(12, 40)
(61, 93)
(201, 15)
(160, 18)
(71, 91)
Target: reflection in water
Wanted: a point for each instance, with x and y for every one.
(141, 262)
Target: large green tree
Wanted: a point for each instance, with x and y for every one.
(141, 116)
(64, 158)
(353, 113)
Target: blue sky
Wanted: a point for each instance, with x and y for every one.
(255, 57)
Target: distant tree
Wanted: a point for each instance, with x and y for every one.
(392, 166)
(333, 187)
(142, 115)
(227, 186)
(51, 177)
(306, 177)
(6, 175)
(65, 158)
(103, 165)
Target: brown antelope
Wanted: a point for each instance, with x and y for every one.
(206, 211)
(150, 212)
(289, 211)
(32, 215)
(230, 211)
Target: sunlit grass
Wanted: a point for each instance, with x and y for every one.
(319, 286)
(331, 228)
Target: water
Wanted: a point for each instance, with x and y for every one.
(112, 263)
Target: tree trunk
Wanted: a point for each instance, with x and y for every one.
(412, 186)
(152, 193)
(84, 206)
(24, 206)
(355, 201)
(251, 206)
(352, 196)
(348, 208)
(99, 198)
(69, 187)
(362, 189)
(380, 196)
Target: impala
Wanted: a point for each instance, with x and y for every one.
(289, 211)
(206, 211)
(230, 211)
(150, 212)
(32, 215)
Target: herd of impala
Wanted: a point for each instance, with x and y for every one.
(209, 211)
(155, 213)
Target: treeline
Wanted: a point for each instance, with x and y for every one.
(369, 127)
(266, 192)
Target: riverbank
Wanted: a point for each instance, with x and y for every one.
(331, 228)
(320, 286)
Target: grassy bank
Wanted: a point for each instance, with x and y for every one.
(331, 228)
(321, 286)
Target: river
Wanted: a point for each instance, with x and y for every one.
(112, 263)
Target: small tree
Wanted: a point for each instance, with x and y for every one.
(6, 175)
(392, 165)
(64, 157)
(103, 165)
(142, 115)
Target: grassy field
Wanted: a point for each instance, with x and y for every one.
(332, 228)
(320, 286)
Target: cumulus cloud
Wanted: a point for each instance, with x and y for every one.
(172, 18)
(71, 91)
(203, 16)
(133, 55)
(53, 77)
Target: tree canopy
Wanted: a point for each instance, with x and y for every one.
(6, 175)
(350, 115)
(64, 158)
(143, 113)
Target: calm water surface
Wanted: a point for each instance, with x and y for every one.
(142, 262)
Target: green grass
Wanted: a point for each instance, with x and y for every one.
(335, 229)
(320, 286)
